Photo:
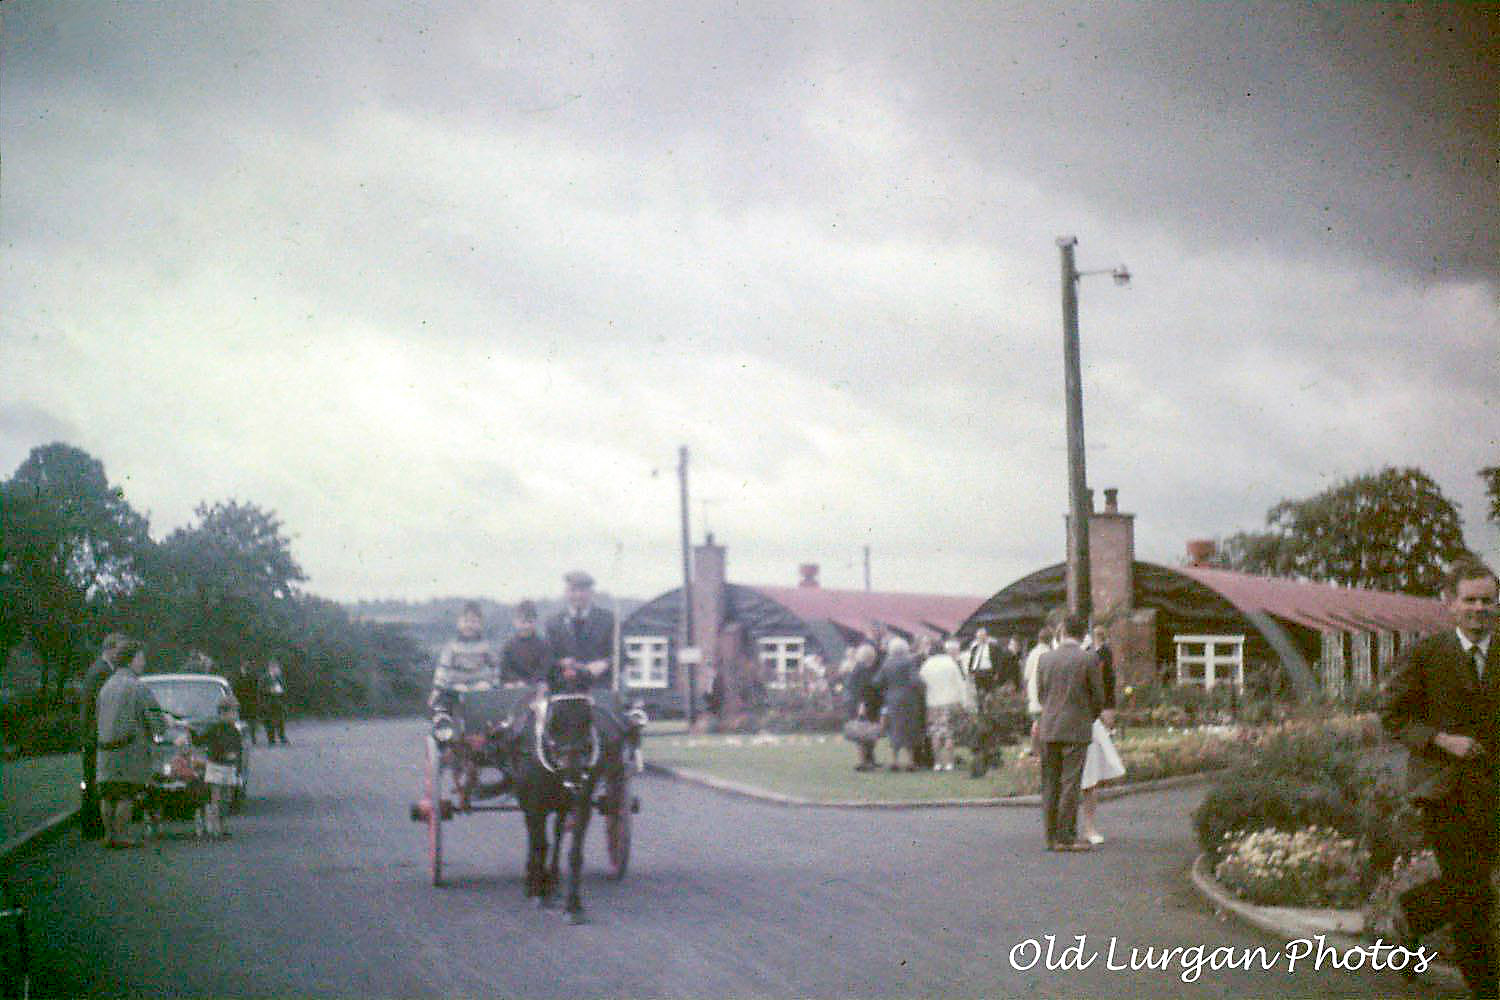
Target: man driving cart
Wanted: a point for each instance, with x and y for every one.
(582, 637)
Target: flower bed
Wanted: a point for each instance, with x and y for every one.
(1314, 866)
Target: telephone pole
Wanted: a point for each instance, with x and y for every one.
(1080, 585)
(687, 587)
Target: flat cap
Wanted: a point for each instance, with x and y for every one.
(578, 578)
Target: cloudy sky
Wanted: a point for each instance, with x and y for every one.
(447, 285)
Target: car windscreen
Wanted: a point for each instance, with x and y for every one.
(188, 699)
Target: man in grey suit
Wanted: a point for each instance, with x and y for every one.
(1070, 686)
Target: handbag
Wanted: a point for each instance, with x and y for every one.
(861, 731)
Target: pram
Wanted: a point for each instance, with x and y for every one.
(178, 791)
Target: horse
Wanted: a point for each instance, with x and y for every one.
(557, 764)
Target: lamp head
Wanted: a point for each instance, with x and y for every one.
(1121, 275)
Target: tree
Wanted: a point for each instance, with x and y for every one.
(70, 545)
(1491, 477)
(220, 580)
(1391, 530)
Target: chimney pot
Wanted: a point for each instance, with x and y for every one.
(809, 573)
(1112, 501)
(1201, 550)
(1089, 493)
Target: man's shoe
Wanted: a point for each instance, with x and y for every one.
(1406, 938)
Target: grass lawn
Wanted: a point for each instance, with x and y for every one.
(821, 767)
(818, 767)
(34, 789)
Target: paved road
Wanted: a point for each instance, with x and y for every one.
(323, 891)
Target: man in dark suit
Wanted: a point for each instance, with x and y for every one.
(1443, 703)
(582, 637)
(1070, 686)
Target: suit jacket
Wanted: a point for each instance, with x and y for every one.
(594, 640)
(1070, 686)
(88, 708)
(1436, 689)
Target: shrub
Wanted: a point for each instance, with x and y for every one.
(809, 718)
(1000, 720)
(1246, 799)
(1391, 826)
(1313, 866)
(40, 722)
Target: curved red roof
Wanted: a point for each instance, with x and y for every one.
(1324, 606)
(918, 614)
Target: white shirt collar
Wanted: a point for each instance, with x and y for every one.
(1469, 645)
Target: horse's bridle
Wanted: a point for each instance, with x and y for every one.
(540, 731)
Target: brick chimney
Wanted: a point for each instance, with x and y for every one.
(708, 599)
(1201, 551)
(809, 573)
(1111, 555)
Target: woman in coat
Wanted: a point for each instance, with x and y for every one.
(864, 700)
(127, 717)
(902, 685)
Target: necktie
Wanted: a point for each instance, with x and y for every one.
(1478, 660)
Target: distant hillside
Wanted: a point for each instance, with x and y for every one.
(431, 622)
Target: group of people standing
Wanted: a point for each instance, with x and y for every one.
(1070, 694)
(910, 691)
(119, 718)
(262, 699)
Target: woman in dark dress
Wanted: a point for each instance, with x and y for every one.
(902, 686)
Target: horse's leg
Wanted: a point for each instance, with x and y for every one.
(536, 855)
(557, 841)
(583, 808)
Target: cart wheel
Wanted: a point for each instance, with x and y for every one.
(617, 826)
(434, 793)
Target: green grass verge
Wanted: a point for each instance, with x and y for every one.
(821, 768)
(34, 789)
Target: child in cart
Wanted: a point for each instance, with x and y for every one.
(184, 767)
(221, 742)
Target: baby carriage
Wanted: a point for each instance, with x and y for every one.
(179, 790)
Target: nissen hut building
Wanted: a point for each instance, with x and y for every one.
(785, 626)
(1200, 625)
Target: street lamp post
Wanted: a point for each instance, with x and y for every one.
(1080, 589)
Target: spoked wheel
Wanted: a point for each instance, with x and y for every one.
(617, 824)
(433, 792)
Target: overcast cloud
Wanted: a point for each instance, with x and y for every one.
(446, 286)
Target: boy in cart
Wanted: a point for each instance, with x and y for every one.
(467, 663)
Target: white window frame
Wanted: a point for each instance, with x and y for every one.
(1222, 659)
(780, 659)
(647, 659)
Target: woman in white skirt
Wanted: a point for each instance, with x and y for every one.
(1103, 762)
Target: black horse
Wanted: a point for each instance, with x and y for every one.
(561, 757)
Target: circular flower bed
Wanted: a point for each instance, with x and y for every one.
(1314, 866)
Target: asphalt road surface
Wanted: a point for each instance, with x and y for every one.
(323, 891)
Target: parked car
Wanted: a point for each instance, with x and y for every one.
(191, 703)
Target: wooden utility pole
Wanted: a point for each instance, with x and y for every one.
(867, 569)
(687, 588)
(1080, 586)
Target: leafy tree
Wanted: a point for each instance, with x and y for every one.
(219, 582)
(70, 545)
(1390, 530)
(1491, 477)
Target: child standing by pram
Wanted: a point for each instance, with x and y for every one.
(221, 743)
